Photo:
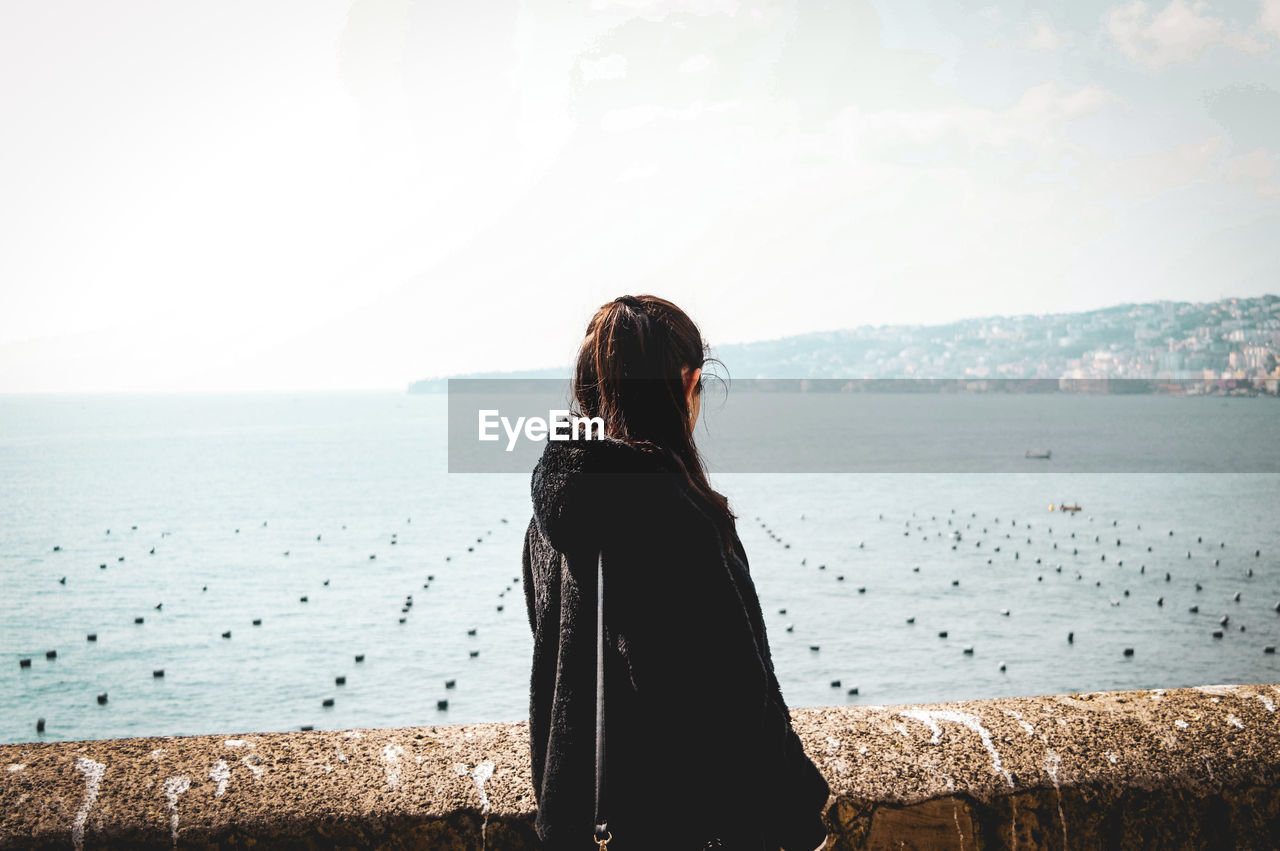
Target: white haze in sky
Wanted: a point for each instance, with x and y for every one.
(298, 194)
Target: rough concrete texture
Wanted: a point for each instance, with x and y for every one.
(1182, 768)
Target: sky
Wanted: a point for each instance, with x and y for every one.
(255, 195)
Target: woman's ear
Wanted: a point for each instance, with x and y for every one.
(690, 383)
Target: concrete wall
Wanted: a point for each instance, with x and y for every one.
(1182, 768)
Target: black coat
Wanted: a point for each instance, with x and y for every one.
(699, 740)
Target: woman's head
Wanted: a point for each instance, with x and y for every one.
(640, 370)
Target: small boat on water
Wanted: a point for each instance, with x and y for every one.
(1039, 453)
(1066, 508)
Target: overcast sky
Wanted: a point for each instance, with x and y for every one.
(307, 194)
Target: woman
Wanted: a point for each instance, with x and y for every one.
(700, 749)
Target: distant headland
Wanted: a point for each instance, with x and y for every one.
(1225, 347)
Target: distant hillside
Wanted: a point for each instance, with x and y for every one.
(1235, 338)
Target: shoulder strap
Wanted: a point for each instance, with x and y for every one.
(602, 835)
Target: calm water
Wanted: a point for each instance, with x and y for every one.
(317, 484)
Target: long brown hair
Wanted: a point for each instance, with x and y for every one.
(630, 374)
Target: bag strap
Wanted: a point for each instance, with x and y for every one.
(602, 834)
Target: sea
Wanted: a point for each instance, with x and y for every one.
(189, 564)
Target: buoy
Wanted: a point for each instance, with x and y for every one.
(226, 634)
(339, 681)
(911, 620)
(24, 663)
(955, 582)
(328, 701)
(1160, 601)
(450, 683)
(782, 611)
(257, 621)
(471, 631)
(790, 627)
(1128, 651)
(1002, 667)
(1270, 648)
(137, 620)
(968, 651)
(102, 698)
(93, 636)
(1217, 633)
(813, 647)
(40, 724)
(442, 704)
(475, 653)
(1236, 597)
(853, 690)
(302, 599)
(306, 728)
(1071, 638)
(157, 673)
(1194, 609)
(835, 684)
(62, 581)
(942, 634)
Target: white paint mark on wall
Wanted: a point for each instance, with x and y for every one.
(236, 743)
(221, 774)
(341, 756)
(92, 772)
(1235, 722)
(1052, 762)
(391, 762)
(253, 762)
(460, 769)
(482, 772)
(931, 717)
(1219, 690)
(955, 814)
(833, 744)
(16, 766)
(1180, 724)
(173, 789)
(1112, 758)
(901, 728)
(158, 753)
(1266, 701)
(352, 734)
(1017, 716)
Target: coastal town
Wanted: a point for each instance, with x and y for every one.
(1231, 345)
